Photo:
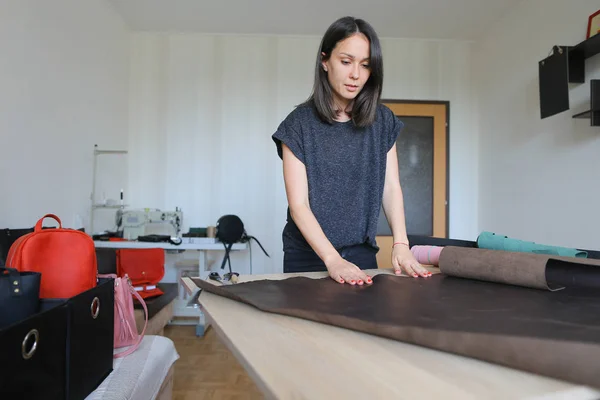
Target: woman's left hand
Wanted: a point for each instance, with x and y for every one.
(403, 259)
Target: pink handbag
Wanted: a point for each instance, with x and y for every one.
(126, 333)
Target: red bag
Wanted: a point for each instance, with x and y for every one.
(145, 268)
(66, 258)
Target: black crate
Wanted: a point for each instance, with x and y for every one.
(89, 338)
(33, 356)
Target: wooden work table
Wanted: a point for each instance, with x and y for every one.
(292, 358)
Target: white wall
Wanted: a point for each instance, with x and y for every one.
(538, 178)
(203, 109)
(63, 88)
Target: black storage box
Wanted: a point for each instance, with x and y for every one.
(74, 352)
(33, 356)
(90, 338)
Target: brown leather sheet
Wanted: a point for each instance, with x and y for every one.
(551, 333)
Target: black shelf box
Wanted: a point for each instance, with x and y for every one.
(594, 112)
(567, 65)
(577, 56)
(554, 77)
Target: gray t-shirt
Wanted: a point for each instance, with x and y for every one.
(345, 167)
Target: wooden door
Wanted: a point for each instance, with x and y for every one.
(423, 161)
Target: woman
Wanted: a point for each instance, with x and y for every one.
(340, 164)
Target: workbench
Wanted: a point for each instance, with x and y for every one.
(290, 357)
(182, 308)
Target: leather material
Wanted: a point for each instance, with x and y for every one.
(551, 333)
(420, 240)
(125, 332)
(145, 268)
(66, 258)
(538, 271)
(19, 295)
(497, 241)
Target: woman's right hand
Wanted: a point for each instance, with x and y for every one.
(343, 271)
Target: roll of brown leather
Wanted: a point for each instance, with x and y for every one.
(537, 271)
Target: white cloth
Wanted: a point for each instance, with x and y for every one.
(140, 374)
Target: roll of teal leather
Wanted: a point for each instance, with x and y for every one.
(494, 241)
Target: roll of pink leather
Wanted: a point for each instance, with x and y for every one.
(428, 255)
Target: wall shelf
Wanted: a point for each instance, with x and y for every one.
(567, 65)
(96, 206)
(98, 152)
(585, 114)
(587, 49)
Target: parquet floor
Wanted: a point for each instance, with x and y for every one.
(206, 369)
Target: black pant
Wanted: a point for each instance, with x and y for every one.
(363, 256)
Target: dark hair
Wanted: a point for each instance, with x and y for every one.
(365, 104)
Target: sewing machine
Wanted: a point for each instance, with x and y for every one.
(148, 221)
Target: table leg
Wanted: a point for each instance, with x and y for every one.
(202, 263)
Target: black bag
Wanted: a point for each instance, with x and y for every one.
(33, 356)
(154, 238)
(19, 295)
(230, 230)
(8, 237)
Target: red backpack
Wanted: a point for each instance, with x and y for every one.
(66, 258)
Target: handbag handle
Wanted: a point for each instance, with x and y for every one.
(38, 225)
(15, 280)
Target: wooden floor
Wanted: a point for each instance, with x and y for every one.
(206, 369)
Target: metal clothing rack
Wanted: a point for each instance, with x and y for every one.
(95, 206)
